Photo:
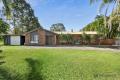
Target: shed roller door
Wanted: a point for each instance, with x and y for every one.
(15, 40)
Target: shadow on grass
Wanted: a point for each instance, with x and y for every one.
(1, 58)
(34, 74)
(0, 51)
(6, 75)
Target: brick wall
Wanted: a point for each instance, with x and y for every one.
(27, 39)
(107, 42)
(42, 40)
(42, 37)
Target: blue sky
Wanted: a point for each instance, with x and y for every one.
(74, 14)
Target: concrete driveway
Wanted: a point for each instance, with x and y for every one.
(74, 47)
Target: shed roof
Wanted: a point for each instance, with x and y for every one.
(11, 35)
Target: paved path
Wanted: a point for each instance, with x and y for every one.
(75, 47)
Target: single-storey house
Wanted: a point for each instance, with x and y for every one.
(43, 37)
(40, 37)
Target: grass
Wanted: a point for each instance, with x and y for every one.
(59, 64)
(1, 42)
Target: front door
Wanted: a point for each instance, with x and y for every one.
(49, 40)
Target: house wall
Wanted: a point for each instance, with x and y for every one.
(52, 36)
(27, 39)
(41, 38)
(42, 34)
(46, 37)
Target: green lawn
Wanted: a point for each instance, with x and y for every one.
(22, 63)
(1, 42)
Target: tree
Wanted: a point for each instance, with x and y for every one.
(4, 27)
(6, 4)
(57, 27)
(106, 3)
(22, 15)
(105, 32)
(112, 23)
(114, 27)
(96, 25)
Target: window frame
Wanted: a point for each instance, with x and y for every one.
(34, 38)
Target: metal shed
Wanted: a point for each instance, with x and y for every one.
(14, 39)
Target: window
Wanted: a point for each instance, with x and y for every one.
(34, 38)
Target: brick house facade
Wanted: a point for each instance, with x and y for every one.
(40, 37)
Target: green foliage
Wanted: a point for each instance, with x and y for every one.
(61, 64)
(105, 4)
(110, 29)
(109, 32)
(23, 16)
(96, 25)
(114, 24)
(57, 27)
(86, 38)
(4, 27)
(66, 38)
(7, 7)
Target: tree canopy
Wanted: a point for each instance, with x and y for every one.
(110, 25)
(22, 15)
(4, 27)
(58, 27)
(96, 25)
(7, 7)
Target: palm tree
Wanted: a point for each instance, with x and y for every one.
(105, 2)
(115, 11)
